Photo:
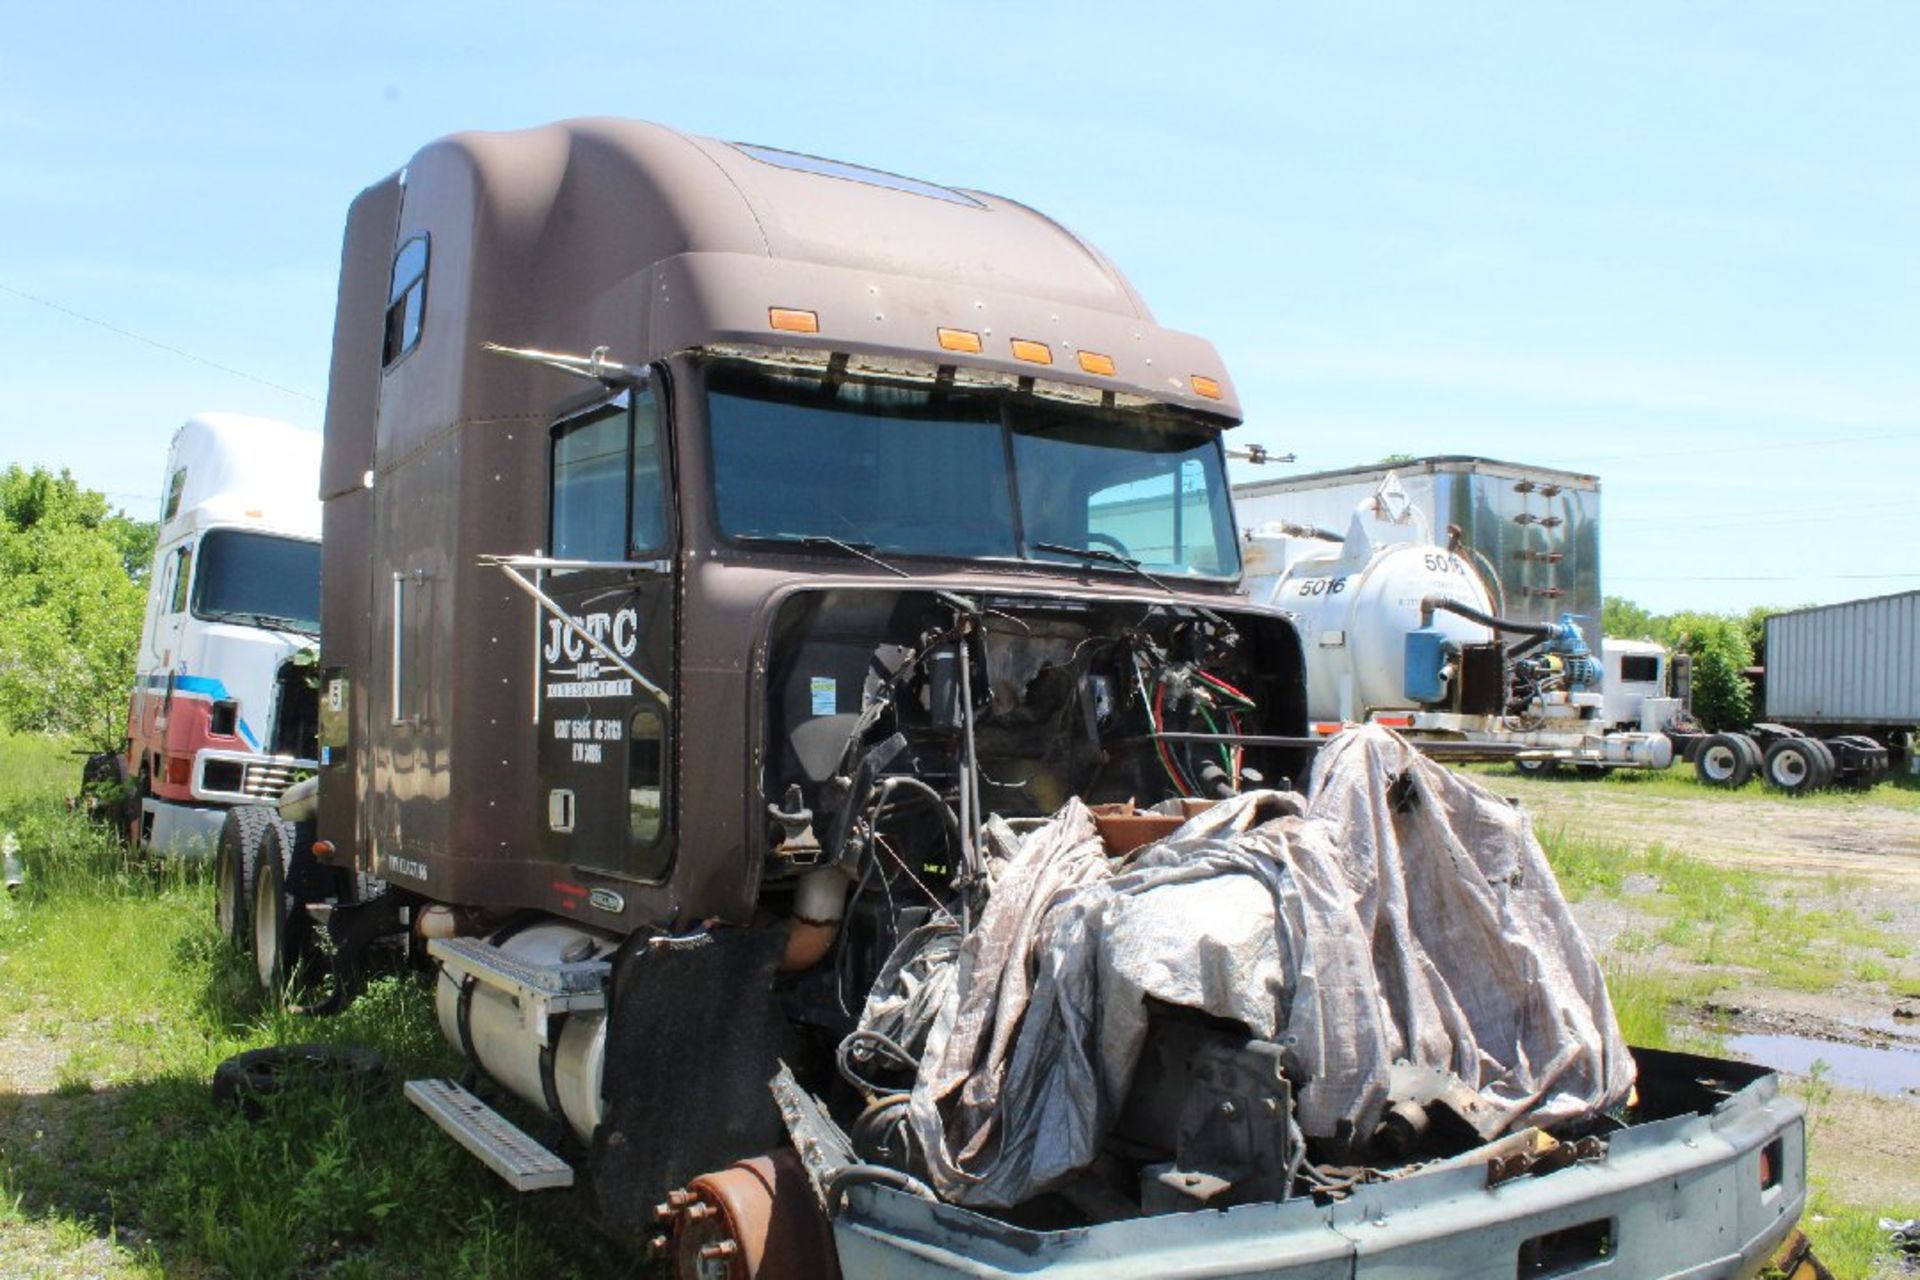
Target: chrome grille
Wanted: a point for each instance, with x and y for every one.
(266, 779)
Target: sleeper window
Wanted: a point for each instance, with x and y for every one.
(406, 300)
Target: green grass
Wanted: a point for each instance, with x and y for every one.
(121, 1149)
(116, 972)
(1731, 919)
(1848, 1238)
(1704, 929)
(1897, 790)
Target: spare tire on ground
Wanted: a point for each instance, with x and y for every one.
(247, 1079)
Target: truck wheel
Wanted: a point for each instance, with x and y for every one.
(132, 818)
(236, 860)
(1829, 766)
(1792, 766)
(104, 789)
(280, 930)
(1535, 768)
(1723, 762)
(1756, 754)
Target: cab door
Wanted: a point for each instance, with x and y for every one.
(608, 666)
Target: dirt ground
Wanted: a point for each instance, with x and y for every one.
(1862, 857)
(1878, 842)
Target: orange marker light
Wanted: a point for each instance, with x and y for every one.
(1203, 386)
(788, 320)
(959, 340)
(1032, 352)
(1094, 362)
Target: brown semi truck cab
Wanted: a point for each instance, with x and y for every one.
(734, 562)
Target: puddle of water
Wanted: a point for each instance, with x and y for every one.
(1898, 1028)
(1894, 1071)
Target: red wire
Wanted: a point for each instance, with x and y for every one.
(1166, 758)
(1218, 683)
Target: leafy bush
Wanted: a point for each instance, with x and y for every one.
(71, 603)
(1722, 646)
(1722, 698)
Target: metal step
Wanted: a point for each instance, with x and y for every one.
(500, 1144)
(541, 991)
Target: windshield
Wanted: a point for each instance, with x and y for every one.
(258, 579)
(965, 473)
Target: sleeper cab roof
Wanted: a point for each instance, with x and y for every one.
(624, 232)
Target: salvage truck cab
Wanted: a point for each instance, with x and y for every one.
(727, 553)
(223, 709)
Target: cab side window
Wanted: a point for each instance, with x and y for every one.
(182, 571)
(609, 500)
(646, 789)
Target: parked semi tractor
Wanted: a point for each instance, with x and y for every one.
(1403, 630)
(752, 582)
(1842, 686)
(223, 711)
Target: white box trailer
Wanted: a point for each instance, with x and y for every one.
(1849, 667)
(1533, 532)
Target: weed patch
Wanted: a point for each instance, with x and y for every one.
(115, 970)
(1737, 922)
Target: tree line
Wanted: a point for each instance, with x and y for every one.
(73, 575)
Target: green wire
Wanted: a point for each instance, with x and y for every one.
(1226, 752)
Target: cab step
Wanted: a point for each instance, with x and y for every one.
(541, 991)
(500, 1144)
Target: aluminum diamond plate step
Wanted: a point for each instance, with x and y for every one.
(500, 1144)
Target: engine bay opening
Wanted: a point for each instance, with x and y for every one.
(899, 723)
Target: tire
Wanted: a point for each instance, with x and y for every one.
(1829, 767)
(281, 931)
(1794, 767)
(246, 1079)
(105, 789)
(1756, 755)
(236, 861)
(131, 819)
(1535, 768)
(1723, 761)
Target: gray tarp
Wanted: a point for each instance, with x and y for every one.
(1406, 914)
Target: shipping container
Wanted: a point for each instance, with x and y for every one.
(1532, 531)
(1855, 664)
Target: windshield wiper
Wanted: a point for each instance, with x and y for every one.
(273, 621)
(1103, 556)
(815, 541)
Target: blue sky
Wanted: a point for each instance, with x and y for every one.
(1675, 245)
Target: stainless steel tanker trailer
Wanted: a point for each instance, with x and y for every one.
(762, 594)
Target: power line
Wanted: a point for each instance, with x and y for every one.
(171, 350)
(1796, 577)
